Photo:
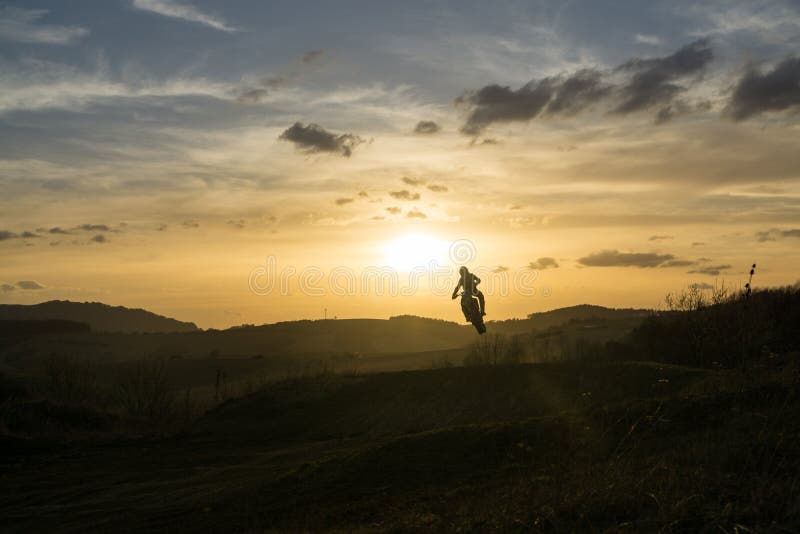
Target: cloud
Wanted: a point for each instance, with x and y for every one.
(660, 237)
(5, 234)
(647, 39)
(57, 230)
(29, 235)
(415, 214)
(252, 96)
(99, 238)
(404, 195)
(413, 181)
(7, 288)
(500, 269)
(757, 92)
(18, 24)
(94, 228)
(343, 201)
(698, 244)
(544, 263)
(312, 56)
(313, 138)
(646, 84)
(711, 270)
(173, 9)
(256, 91)
(678, 263)
(236, 223)
(773, 234)
(191, 223)
(427, 127)
(495, 103)
(702, 286)
(29, 285)
(394, 210)
(363, 194)
(614, 258)
(653, 81)
(438, 188)
(578, 91)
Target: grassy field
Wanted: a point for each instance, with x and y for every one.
(535, 447)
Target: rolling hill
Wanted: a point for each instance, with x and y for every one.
(100, 317)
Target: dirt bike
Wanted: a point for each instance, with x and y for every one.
(472, 312)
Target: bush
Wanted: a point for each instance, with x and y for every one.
(146, 391)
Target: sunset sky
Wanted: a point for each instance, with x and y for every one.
(158, 153)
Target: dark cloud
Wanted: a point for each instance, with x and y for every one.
(773, 234)
(496, 103)
(500, 269)
(660, 237)
(711, 270)
(236, 223)
(647, 84)
(312, 56)
(426, 127)
(544, 263)
(438, 188)
(413, 181)
(29, 285)
(343, 201)
(615, 258)
(577, 92)
(698, 244)
(404, 195)
(252, 96)
(653, 81)
(394, 210)
(514, 207)
(678, 263)
(415, 214)
(4, 235)
(94, 228)
(678, 108)
(363, 194)
(757, 92)
(7, 288)
(377, 217)
(57, 230)
(99, 238)
(313, 138)
(29, 235)
(701, 286)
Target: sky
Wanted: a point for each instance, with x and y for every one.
(249, 162)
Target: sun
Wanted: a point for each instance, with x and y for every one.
(414, 250)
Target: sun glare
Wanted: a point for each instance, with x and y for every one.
(414, 250)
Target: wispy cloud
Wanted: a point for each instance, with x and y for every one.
(21, 25)
(647, 39)
(170, 8)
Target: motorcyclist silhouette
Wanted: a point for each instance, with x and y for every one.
(470, 282)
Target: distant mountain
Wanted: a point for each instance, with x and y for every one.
(100, 317)
(584, 313)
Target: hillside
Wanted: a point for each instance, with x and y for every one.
(100, 317)
(549, 335)
(550, 447)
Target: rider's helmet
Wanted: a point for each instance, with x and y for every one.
(463, 270)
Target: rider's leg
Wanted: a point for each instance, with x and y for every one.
(481, 300)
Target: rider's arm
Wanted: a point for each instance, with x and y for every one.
(458, 286)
